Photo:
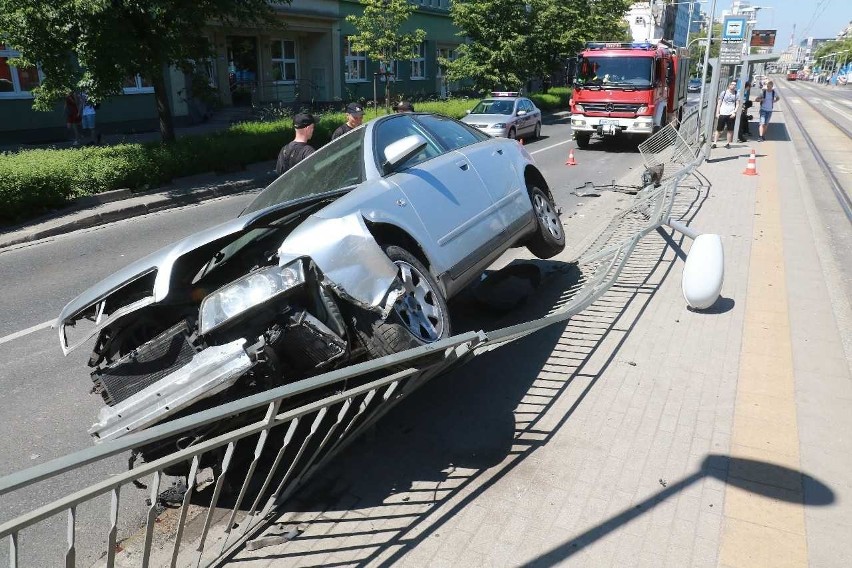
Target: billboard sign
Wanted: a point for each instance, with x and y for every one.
(763, 38)
(734, 28)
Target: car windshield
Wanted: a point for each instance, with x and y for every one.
(615, 71)
(336, 165)
(493, 106)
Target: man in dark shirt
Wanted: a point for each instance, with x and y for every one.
(404, 106)
(354, 118)
(299, 149)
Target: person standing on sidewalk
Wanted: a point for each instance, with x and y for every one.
(767, 100)
(354, 118)
(726, 111)
(744, 127)
(72, 115)
(88, 119)
(299, 149)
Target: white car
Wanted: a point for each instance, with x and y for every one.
(350, 254)
(506, 115)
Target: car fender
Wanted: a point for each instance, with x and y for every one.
(351, 260)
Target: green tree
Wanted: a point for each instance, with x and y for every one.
(380, 33)
(511, 42)
(823, 54)
(95, 45)
(697, 48)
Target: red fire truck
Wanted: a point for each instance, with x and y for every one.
(627, 89)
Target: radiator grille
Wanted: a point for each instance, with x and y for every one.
(611, 107)
(146, 365)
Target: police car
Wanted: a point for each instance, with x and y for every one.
(507, 115)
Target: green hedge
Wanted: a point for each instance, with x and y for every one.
(33, 182)
(556, 99)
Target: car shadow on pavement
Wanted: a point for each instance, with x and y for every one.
(617, 145)
(411, 484)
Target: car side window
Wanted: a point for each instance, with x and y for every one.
(450, 133)
(396, 128)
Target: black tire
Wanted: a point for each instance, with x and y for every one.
(582, 140)
(512, 133)
(537, 132)
(409, 324)
(549, 239)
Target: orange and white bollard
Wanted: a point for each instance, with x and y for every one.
(751, 166)
(571, 161)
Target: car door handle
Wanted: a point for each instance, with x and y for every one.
(462, 164)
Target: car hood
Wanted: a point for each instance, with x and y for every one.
(325, 241)
(486, 118)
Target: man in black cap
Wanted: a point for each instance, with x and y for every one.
(354, 118)
(404, 106)
(299, 149)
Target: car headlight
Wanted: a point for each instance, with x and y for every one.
(579, 108)
(642, 109)
(499, 125)
(251, 290)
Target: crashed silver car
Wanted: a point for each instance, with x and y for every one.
(351, 254)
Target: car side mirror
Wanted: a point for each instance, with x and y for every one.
(467, 111)
(522, 112)
(398, 152)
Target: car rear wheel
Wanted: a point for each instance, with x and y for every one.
(537, 131)
(549, 239)
(418, 317)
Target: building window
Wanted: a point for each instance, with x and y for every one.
(137, 84)
(16, 82)
(387, 71)
(445, 53)
(355, 63)
(418, 62)
(284, 63)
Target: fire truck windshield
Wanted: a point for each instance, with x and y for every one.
(627, 72)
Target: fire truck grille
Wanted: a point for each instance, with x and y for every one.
(611, 107)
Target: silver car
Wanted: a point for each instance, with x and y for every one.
(506, 116)
(351, 254)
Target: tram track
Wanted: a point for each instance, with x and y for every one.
(836, 186)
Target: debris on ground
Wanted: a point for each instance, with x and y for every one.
(273, 540)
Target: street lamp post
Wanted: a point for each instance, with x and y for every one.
(701, 114)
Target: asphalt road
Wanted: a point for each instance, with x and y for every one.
(46, 407)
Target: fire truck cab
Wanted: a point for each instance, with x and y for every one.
(627, 89)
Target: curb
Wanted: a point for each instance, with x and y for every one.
(154, 201)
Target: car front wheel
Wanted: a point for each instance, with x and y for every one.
(419, 316)
(549, 239)
(512, 134)
(582, 140)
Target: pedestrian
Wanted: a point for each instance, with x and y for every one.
(354, 118)
(726, 111)
(767, 100)
(88, 119)
(747, 104)
(299, 149)
(72, 115)
(404, 106)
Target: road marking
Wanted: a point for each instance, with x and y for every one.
(837, 110)
(796, 100)
(27, 331)
(765, 427)
(551, 146)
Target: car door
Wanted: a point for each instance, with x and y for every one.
(448, 196)
(492, 160)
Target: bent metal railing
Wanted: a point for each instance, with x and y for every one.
(287, 439)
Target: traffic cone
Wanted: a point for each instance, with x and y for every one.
(571, 161)
(751, 167)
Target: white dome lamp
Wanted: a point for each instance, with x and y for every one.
(704, 270)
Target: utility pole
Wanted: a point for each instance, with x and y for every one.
(701, 113)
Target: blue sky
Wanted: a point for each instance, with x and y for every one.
(816, 18)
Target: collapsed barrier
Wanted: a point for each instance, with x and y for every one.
(290, 439)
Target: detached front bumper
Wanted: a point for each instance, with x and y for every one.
(207, 373)
(604, 126)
